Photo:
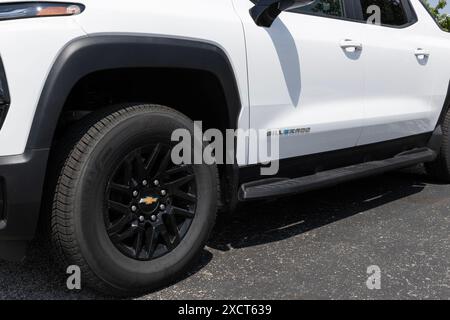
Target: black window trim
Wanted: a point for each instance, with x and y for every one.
(348, 7)
(349, 12)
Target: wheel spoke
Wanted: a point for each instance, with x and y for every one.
(185, 196)
(131, 231)
(150, 163)
(120, 188)
(128, 171)
(151, 236)
(139, 166)
(183, 212)
(180, 182)
(118, 207)
(164, 163)
(166, 237)
(120, 224)
(178, 169)
(139, 243)
(172, 226)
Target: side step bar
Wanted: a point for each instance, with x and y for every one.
(281, 186)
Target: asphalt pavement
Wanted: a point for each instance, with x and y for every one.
(318, 245)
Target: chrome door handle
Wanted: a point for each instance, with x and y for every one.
(421, 54)
(350, 45)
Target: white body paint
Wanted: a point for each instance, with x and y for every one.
(293, 75)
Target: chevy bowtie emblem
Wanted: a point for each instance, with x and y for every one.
(148, 200)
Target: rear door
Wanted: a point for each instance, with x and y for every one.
(398, 76)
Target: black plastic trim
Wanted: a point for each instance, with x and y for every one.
(2, 200)
(4, 81)
(3, 112)
(23, 180)
(349, 14)
(353, 10)
(281, 187)
(445, 107)
(100, 52)
(5, 99)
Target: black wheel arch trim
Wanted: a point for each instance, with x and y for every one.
(445, 107)
(99, 52)
(22, 178)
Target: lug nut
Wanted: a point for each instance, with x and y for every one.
(133, 208)
(153, 218)
(141, 218)
(144, 183)
(156, 182)
(163, 192)
(162, 207)
(135, 193)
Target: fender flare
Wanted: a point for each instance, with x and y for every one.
(94, 53)
(445, 108)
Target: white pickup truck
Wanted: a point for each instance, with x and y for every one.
(91, 92)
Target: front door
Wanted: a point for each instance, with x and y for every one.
(306, 77)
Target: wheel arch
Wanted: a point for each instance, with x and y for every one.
(87, 55)
(445, 107)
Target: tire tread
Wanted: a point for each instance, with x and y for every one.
(439, 169)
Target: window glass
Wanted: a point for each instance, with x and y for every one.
(333, 8)
(391, 12)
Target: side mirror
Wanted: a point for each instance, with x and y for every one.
(266, 11)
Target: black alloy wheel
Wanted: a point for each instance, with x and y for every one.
(151, 203)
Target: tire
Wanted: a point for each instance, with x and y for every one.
(439, 169)
(99, 201)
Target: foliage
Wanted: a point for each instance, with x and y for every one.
(442, 19)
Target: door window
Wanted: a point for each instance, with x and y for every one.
(333, 8)
(392, 12)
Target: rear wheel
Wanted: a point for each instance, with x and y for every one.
(439, 169)
(123, 212)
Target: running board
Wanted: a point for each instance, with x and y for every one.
(276, 187)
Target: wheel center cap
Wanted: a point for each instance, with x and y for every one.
(149, 203)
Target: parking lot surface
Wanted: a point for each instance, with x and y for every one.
(312, 246)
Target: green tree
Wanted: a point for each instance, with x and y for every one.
(442, 19)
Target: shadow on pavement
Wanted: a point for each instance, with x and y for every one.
(264, 222)
(253, 224)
